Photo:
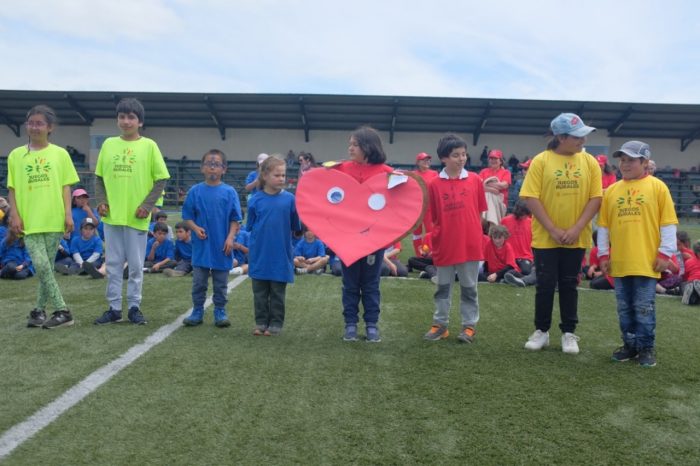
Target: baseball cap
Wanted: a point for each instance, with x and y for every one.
(262, 157)
(87, 221)
(571, 124)
(496, 154)
(602, 159)
(525, 164)
(423, 156)
(635, 149)
(80, 192)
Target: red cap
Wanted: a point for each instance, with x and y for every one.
(496, 154)
(602, 159)
(423, 156)
(525, 164)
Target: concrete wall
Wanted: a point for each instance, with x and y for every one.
(331, 145)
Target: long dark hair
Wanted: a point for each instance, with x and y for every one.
(370, 143)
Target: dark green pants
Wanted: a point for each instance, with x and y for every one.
(268, 299)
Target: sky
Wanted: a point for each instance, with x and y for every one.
(621, 51)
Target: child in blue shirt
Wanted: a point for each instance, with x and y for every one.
(212, 210)
(15, 262)
(161, 217)
(272, 216)
(160, 253)
(81, 209)
(310, 255)
(85, 252)
(240, 253)
(183, 252)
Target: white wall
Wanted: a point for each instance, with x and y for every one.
(331, 145)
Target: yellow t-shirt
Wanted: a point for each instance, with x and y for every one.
(634, 212)
(38, 178)
(129, 170)
(564, 184)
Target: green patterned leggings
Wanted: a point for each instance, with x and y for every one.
(42, 249)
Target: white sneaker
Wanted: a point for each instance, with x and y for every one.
(236, 271)
(537, 340)
(569, 343)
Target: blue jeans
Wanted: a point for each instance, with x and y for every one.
(636, 309)
(361, 282)
(200, 281)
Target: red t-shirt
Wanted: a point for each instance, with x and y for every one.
(362, 171)
(456, 206)
(692, 269)
(427, 176)
(502, 174)
(594, 260)
(520, 236)
(608, 179)
(497, 259)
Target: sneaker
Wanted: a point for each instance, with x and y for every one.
(136, 316)
(300, 271)
(350, 333)
(688, 291)
(467, 335)
(91, 270)
(372, 334)
(59, 319)
(537, 340)
(424, 274)
(318, 271)
(65, 270)
(236, 271)
(195, 318)
(434, 279)
(624, 353)
(647, 357)
(173, 273)
(513, 280)
(259, 330)
(437, 332)
(36, 318)
(569, 343)
(274, 331)
(109, 317)
(221, 319)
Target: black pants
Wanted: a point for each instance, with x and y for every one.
(557, 268)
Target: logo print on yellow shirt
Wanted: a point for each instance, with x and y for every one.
(568, 176)
(38, 170)
(124, 161)
(630, 203)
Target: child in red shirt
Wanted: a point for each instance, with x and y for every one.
(498, 255)
(519, 225)
(691, 278)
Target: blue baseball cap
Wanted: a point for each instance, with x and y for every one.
(571, 124)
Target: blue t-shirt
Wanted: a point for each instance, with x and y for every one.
(252, 176)
(309, 250)
(3, 233)
(243, 237)
(167, 249)
(15, 252)
(66, 249)
(212, 208)
(78, 216)
(86, 248)
(271, 218)
(183, 250)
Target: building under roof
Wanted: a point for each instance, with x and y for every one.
(393, 114)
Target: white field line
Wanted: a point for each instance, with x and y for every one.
(20, 433)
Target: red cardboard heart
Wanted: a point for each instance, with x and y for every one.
(355, 219)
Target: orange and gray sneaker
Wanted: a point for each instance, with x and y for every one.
(467, 335)
(437, 332)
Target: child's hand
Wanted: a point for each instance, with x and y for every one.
(199, 231)
(155, 267)
(491, 278)
(142, 213)
(604, 265)
(20, 267)
(228, 246)
(661, 264)
(69, 225)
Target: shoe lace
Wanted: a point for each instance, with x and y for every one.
(571, 338)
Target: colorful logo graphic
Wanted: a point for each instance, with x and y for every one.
(38, 167)
(125, 158)
(633, 198)
(570, 171)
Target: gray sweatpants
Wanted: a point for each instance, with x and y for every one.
(468, 274)
(124, 245)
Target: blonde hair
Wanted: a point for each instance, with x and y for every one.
(269, 164)
(499, 231)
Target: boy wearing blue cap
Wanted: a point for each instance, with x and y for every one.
(638, 216)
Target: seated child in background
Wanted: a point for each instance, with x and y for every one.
(240, 252)
(599, 280)
(691, 278)
(85, 252)
(498, 256)
(391, 265)
(671, 278)
(15, 262)
(310, 255)
(183, 252)
(519, 225)
(62, 254)
(162, 218)
(160, 253)
(424, 261)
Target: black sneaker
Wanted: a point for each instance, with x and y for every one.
(109, 317)
(647, 357)
(90, 269)
(59, 319)
(624, 353)
(136, 316)
(36, 318)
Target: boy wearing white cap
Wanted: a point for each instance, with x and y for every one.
(637, 215)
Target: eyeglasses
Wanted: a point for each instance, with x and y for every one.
(35, 124)
(213, 164)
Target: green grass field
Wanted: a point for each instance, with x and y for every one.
(221, 396)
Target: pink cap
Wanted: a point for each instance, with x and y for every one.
(602, 159)
(525, 164)
(496, 154)
(80, 192)
(423, 156)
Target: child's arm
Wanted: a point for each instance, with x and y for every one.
(233, 228)
(152, 253)
(16, 223)
(592, 207)
(540, 213)
(199, 231)
(144, 210)
(68, 212)
(101, 196)
(603, 250)
(666, 249)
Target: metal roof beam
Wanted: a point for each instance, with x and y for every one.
(12, 124)
(304, 118)
(215, 117)
(482, 123)
(82, 113)
(685, 142)
(615, 127)
(394, 114)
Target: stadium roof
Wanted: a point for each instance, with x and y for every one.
(394, 114)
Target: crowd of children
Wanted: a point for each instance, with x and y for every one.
(463, 237)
